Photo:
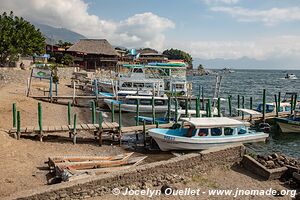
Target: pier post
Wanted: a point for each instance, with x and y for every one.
(100, 121)
(144, 133)
(74, 129)
(69, 113)
(112, 112)
(209, 108)
(50, 89)
(153, 110)
(186, 107)
(199, 92)
(295, 102)
(14, 109)
(238, 104)
(176, 110)
(198, 107)
(169, 109)
(40, 121)
(202, 107)
(292, 104)
(120, 118)
(251, 103)
(276, 105)
(137, 122)
(279, 99)
(219, 107)
(93, 112)
(229, 105)
(18, 125)
(243, 106)
(264, 105)
(56, 88)
(96, 89)
(157, 124)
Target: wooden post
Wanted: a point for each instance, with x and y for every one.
(264, 105)
(279, 99)
(199, 94)
(219, 107)
(120, 118)
(295, 102)
(96, 89)
(169, 109)
(238, 104)
(243, 105)
(112, 112)
(144, 132)
(50, 89)
(153, 110)
(18, 125)
(198, 107)
(29, 83)
(186, 107)
(202, 99)
(74, 129)
(74, 93)
(157, 124)
(137, 112)
(229, 106)
(69, 113)
(176, 110)
(14, 108)
(251, 103)
(93, 112)
(209, 108)
(56, 88)
(276, 105)
(40, 121)
(292, 104)
(100, 128)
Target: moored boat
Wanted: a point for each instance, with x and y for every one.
(205, 133)
(290, 124)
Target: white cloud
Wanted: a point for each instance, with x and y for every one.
(144, 30)
(221, 1)
(260, 49)
(271, 16)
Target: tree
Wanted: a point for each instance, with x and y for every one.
(63, 44)
(178, 54)
(18, 37)
(67, 59)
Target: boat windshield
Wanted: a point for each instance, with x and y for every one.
(216, 131)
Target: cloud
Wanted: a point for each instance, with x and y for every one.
(144, 30)
(272, 16)
(260, 49)
(220, 1)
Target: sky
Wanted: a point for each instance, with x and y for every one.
(265, 31)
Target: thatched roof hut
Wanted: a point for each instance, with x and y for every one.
(93, 46)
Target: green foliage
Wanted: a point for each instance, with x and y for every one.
(64, 44)
(178, 54)
(200, 67)
(67, 59)
(18, 37)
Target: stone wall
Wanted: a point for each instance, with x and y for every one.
(145, 176)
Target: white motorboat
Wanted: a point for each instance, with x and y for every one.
(290, 76)
(205, 133)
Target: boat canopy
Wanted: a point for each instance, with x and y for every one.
(168, 64)
(249, 111)
(213, 122)
(145, 97)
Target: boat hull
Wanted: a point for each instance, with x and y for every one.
(289, 128)
(168, 142)
(132, 108)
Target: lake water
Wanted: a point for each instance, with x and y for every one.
(250, 83)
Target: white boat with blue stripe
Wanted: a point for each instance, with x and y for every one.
(205, 133)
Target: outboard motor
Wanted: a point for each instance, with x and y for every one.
(265, 127)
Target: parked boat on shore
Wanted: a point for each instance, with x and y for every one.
(290, 124)
(204, 133)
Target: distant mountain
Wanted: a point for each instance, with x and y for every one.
(53, 35)
(248, 63)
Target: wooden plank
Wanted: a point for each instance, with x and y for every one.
(29, 129)
(115, 125)
(65, 128)
(51, 129)
(84, 126)
(104, 125)
(13, 130)
(91, 126)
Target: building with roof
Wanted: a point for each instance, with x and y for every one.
(92, 54)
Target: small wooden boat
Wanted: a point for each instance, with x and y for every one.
(290, 124)
(205, 133)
